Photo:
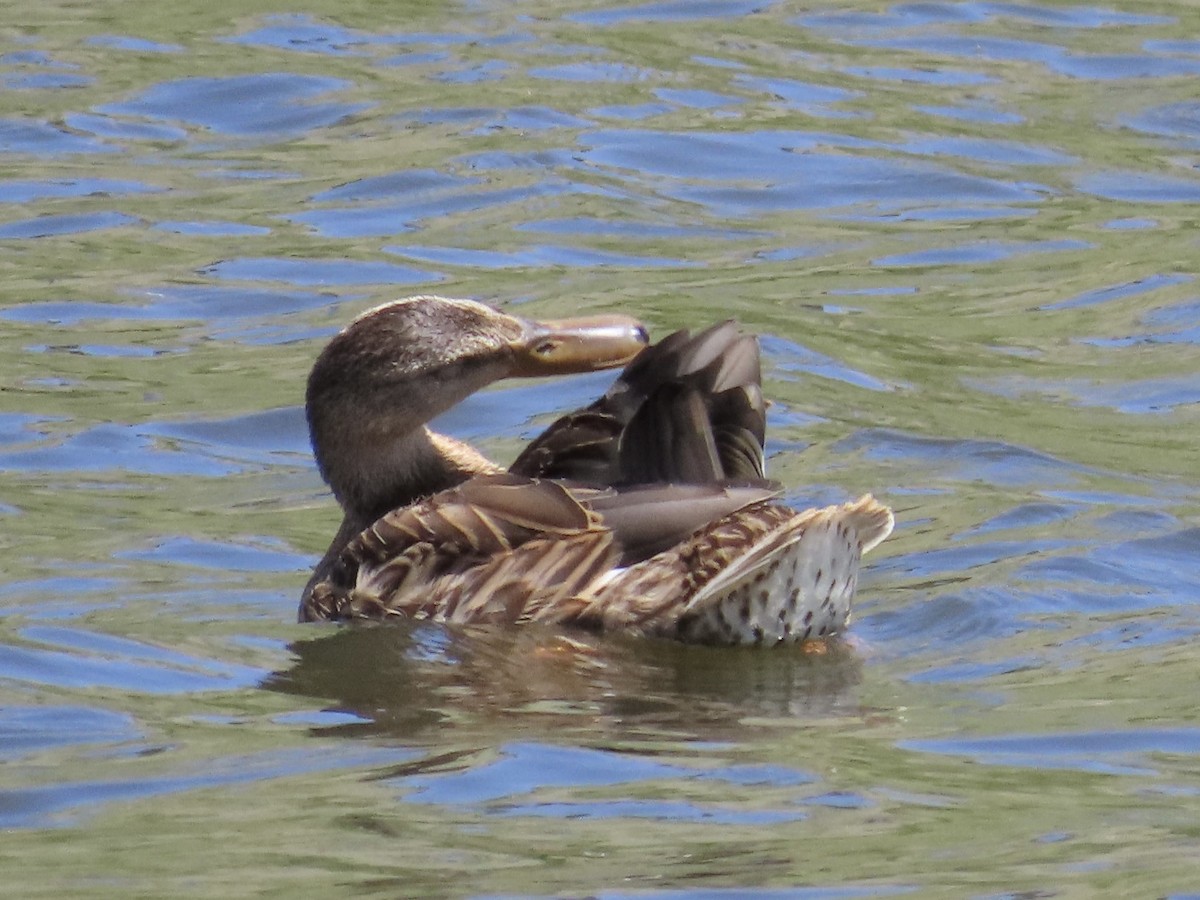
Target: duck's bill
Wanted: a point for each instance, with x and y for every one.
(578, 345)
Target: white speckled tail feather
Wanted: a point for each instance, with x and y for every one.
(795, 583)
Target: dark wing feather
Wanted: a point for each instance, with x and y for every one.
(670, 438)
(687, 409)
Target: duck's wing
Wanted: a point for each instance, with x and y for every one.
(761, 574)
(687, 409)
(426, 560)
(649, 519)
(508, 549)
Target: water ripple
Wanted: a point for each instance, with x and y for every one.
(266, 105)
(71, 658)
(1100, 752)
(26, 730)
(42, 139)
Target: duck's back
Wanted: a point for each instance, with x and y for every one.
(699, 563)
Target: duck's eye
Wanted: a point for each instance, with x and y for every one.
(546, 347)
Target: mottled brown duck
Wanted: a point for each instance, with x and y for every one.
(646, 512)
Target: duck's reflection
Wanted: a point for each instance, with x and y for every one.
(404, 679)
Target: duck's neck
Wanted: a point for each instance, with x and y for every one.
(416, 466)
(378, 479)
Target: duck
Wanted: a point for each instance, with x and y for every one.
(647, 512)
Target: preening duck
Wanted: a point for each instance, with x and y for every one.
(647, 512)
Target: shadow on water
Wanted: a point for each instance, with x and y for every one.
(410, 680)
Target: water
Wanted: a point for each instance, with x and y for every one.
(966, 232)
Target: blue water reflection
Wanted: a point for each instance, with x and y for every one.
(42, 139)
(69, 658)
(47, 226)
(1103, 752)
(275, 103)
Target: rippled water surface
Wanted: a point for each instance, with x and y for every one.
(967, 233)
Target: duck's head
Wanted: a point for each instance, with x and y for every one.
(397, 366)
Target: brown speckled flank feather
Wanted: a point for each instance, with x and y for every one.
(646, 512)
